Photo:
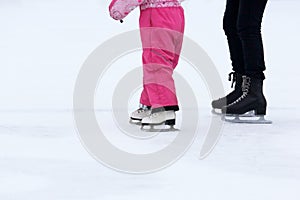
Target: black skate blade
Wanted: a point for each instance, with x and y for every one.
(256, 119)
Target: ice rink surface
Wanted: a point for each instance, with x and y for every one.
(42, 47)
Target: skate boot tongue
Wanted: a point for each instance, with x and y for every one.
(246, 84)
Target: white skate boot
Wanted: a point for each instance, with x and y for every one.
(137, 116)
(159, 118)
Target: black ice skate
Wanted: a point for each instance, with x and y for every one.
(162, 121)
(231, 97)
(251, 101)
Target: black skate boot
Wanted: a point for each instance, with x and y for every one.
(236, 79)
(251, 101)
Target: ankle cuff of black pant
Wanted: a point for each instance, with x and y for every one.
(256, 75)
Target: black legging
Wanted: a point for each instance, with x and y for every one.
(242, 26)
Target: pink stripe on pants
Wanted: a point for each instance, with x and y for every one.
(162, 35)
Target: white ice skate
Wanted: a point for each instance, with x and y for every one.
(160, 118)
(137, 116)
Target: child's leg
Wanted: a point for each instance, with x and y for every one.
(144, 23)
(161, 55)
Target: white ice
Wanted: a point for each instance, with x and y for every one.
(42, 47)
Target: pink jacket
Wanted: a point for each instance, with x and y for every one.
(119, 9)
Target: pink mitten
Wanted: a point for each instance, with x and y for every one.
(119, 9)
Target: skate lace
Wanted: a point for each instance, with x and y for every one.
(141, 110)
(245, 88)
(153, 115)
(232, 78)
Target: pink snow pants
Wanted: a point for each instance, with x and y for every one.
(162, 35)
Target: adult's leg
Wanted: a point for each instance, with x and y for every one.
(249, 31)
(236, 54)
(234, 42)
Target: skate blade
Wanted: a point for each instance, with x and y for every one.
(153, 128)
(247, 114)
(135, 122)
(244, 120)
(216, 111)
